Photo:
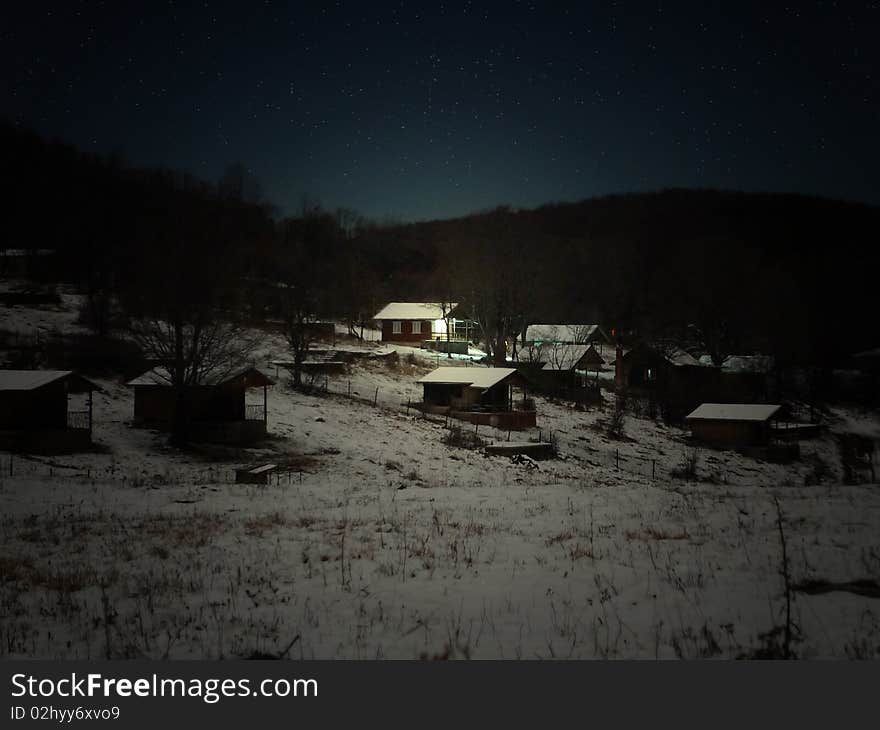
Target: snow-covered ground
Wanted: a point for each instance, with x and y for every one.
(377, 540)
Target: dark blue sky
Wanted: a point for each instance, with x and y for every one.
(438, 109)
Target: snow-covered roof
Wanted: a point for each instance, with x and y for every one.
(161, 376)
(748, 363)
(733, 412)
(481, 378)
(33, 379)
(562, 333)
(413, 310)
(673, 355)
(868, 354)
(566, 357)
(680, 357)
(19, 252)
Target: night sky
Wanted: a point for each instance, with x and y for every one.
(413, 111)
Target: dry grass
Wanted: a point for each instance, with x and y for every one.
(653, 533)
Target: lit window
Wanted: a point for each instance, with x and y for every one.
(397, 327)
(417, 328)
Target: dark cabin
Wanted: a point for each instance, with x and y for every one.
(562, 370)
(732, 425)
(35, 412)
(670, 376)
(537, 335)
(218, 408)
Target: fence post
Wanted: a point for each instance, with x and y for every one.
(349, 389)
(617, 459)
(653, 468)
(376, 397)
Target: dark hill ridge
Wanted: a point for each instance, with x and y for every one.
(779, 272)
(784, 273)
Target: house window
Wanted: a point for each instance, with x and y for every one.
(417, 328)
(396, 327)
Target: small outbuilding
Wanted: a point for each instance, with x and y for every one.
(478, 395)
(218, 409)
(732, 425)
(36, 414)
(563, 371)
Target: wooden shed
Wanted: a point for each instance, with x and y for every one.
(35, 412)
(218, 408)
(732, 425)
(562, 370)
(479, 395)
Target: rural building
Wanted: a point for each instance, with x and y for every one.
(218, 409)
(746, 379)
(26, 263)
(415, 323)
(732, 425)
(478, 395)
(35, 413)
(538, 335)
(562, 369)
(669, 376)
(868, 361)
(565, 358)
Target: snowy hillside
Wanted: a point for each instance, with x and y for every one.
(376, 539)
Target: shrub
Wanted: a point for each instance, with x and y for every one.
(458, 437)
(688, 467)
(617, 421)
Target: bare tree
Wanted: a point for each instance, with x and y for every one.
(305, 258)
(182, 297)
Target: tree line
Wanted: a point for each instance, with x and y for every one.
(183, 264)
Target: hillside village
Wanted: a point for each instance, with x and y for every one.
(391, 491)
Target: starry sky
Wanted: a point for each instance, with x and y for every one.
(410, 111)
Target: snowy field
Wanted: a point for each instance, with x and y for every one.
(378, 540)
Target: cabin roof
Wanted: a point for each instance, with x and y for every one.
(873, 354)
(673, 355)
(23, 380)
(568, 357)
(477, 377)
(413, 310)
(160, 376)
(757, 412)
(563, 333)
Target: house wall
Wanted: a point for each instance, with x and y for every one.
(512, 420)
(441, 394)
(42, 408)
(731, 434)
(406, 334)
(156, 404)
